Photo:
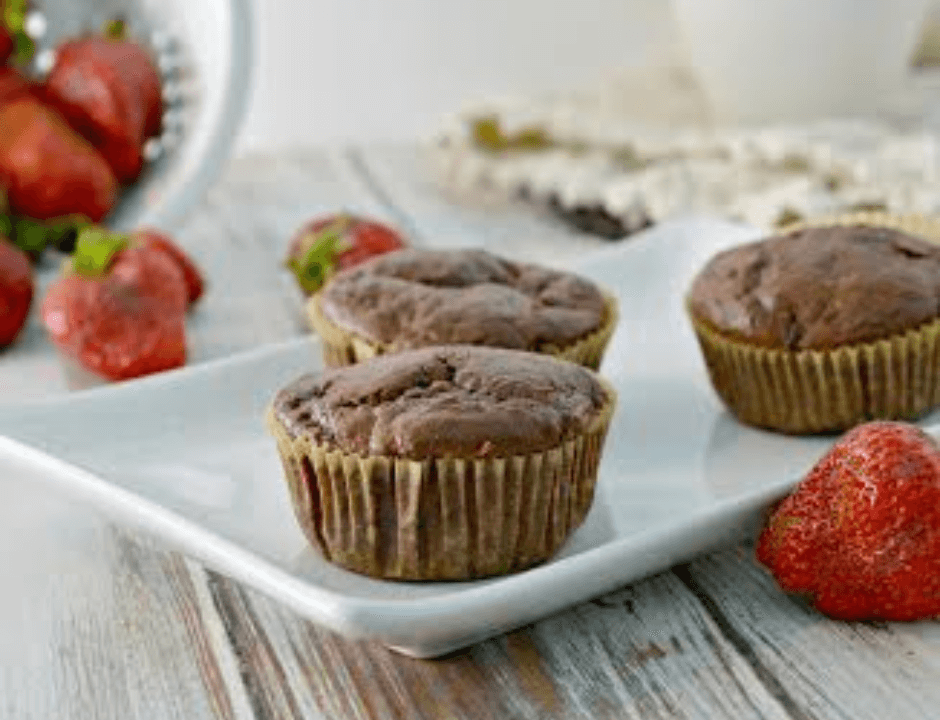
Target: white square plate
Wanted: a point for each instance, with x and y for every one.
(184, 455)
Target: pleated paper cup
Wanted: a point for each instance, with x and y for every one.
(441, 518)
(817, 391)
(343, 347)
(922, 226)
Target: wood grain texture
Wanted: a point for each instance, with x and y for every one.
(822, 667)
(95, 625)
(649, 651)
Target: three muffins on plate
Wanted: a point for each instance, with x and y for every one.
(453, 438)
(458, 432)
(825, 326)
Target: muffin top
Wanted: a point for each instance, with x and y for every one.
(415, 298)
(447, 401)
(820, 288)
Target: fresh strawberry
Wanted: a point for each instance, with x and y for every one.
(334, 242)
(16, 290)
(157, 241)
(48, 169)
(119, 310)
(108, 89)
(860, 535)
(152, 274)
(12, 85)
(6, 45)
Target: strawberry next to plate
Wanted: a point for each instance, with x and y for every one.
(860, 535)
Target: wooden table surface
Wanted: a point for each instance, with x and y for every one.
(97, 622)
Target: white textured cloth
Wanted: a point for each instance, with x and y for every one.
(678, 161)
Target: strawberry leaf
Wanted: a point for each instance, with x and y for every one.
(116, 29)
(29, 236)
(95, 249)
(319, 261)
(14, 19)
(62, 232)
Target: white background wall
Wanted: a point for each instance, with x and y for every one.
(334, 70)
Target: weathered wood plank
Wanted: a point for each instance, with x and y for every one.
(95, 626)
(649, 651)
(825, 668)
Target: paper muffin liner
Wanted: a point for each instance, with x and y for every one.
(817, 391)
(922, 226)
(342, 347)
(441, 518)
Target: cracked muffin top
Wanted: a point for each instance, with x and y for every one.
(415, 298)
(447, 401)
(820, 288)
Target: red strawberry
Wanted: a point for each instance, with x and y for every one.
(152, 274)
(12, 85)
(157, 241)
(861, 533)
(119, 310)
(6, 45)
(49, 170)
(334, 242)
(16, 290)
(108, 89)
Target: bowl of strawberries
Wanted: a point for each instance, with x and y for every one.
(115, 117)
(117, 112)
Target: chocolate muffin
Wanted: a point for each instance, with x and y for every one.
(416, 298)
(821, 328)
(447, 462)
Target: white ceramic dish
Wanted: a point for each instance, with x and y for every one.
(184, 455)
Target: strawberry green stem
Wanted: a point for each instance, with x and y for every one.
(116, 29)
(95, 249)
(34, 236)
(319, 261)
(14, 19)
(29, 236)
